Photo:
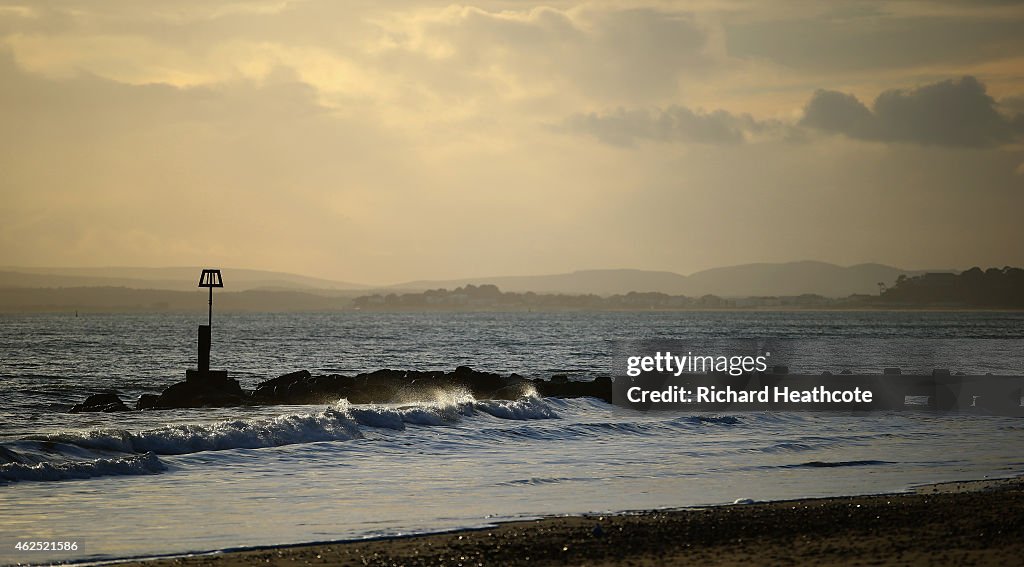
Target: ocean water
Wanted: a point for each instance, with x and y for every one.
(180, 481)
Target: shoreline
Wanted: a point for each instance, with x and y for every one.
(976, 521)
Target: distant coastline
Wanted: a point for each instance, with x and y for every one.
(974, 289)
(122, 300)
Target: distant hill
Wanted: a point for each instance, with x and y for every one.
(795, 278)
(747, 280)
(790, 278)
(178, 279)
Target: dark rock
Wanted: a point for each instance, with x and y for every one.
(200, 393)
(297, 388)
(298, 391)
(386, 385)
(600, 388)
(147, 401)
(214, 389)
(107, 402)
(513, 391)
(291, 377)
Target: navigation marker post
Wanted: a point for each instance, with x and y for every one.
(209, 278)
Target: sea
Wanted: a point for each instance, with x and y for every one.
(170, 482)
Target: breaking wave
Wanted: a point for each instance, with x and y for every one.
(328, 425)
(147, 463)
(104, 452)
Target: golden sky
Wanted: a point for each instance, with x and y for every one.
(378, 142)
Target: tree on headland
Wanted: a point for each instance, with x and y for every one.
(991, 288)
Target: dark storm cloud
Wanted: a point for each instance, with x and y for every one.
(675, 124)
(951, 113)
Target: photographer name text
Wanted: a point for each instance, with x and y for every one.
(728, 394)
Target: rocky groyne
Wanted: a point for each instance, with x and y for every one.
(381, 386)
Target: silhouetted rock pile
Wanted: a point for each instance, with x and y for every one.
(381, 386)
(223, 392)
(386, 386)
(107, 402)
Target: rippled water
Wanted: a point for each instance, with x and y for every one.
(178, 481)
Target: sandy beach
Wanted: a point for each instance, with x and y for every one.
(964, 523)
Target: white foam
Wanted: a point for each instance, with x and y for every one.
(65, 470)
(329, 425)
(448, 407)
(523, 409)
(104, 452)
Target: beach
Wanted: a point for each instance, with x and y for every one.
(964, 523)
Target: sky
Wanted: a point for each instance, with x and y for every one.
(380, 142)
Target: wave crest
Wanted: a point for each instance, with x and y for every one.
(147, 463)
(103, 452)
(328, 425)
(448, 408)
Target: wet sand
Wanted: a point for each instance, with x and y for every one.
(966, 523)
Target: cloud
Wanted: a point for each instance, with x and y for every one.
(381, 141)
(608, 53)
(951, 113)
(675, 124)
(834, 111)
(1013, 108)
(408, 63)
(829, 38)
(119, 173)
(1012, 105)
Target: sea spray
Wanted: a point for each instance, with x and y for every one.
(449, 406)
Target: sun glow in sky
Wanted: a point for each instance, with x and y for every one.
(387, 141)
